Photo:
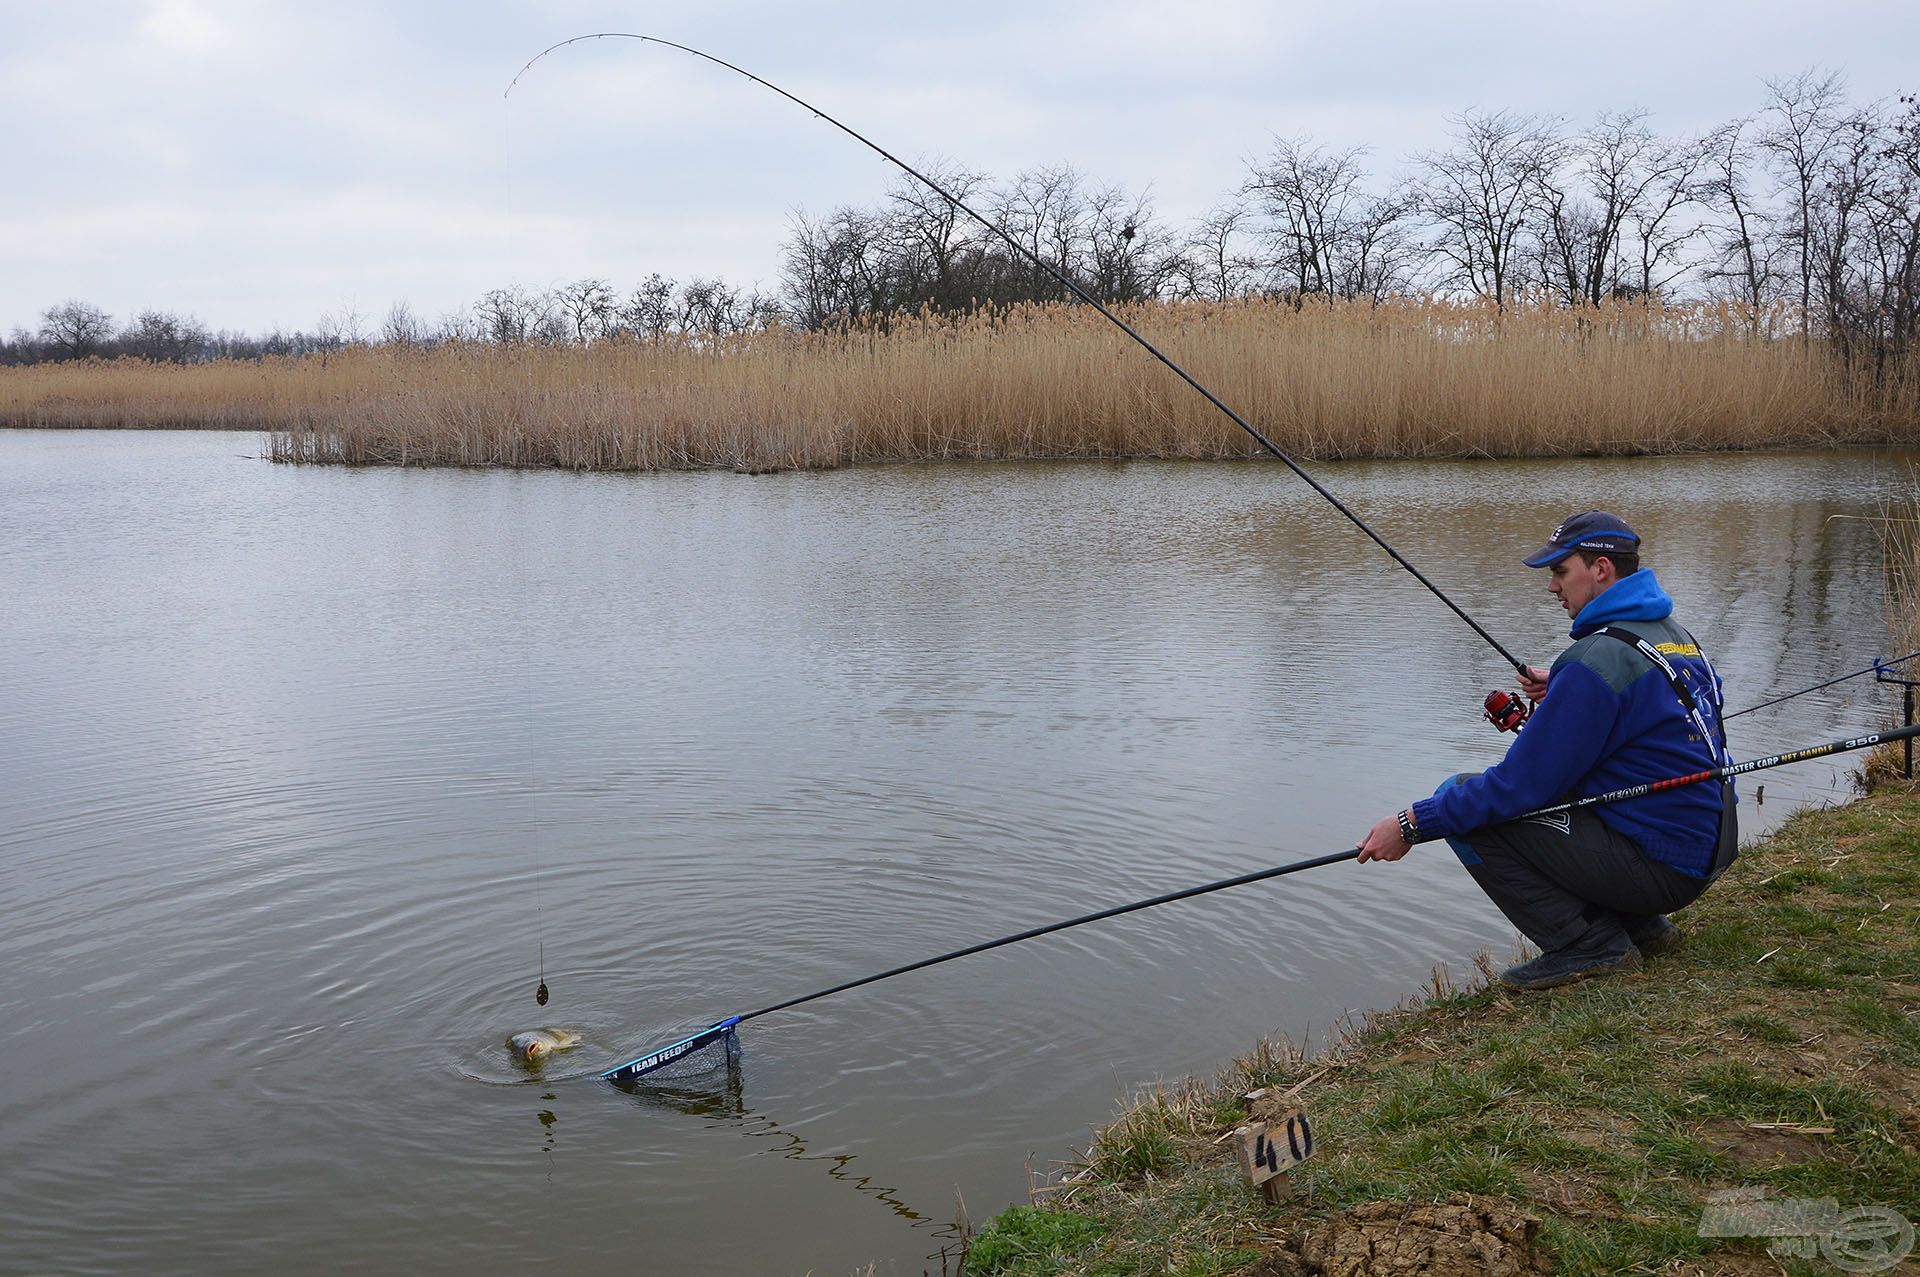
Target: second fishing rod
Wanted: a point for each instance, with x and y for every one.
(722, 1030)
(1073, 286)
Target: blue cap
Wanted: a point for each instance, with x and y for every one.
(1594, 530)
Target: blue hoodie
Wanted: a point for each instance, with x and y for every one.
(1610, 719)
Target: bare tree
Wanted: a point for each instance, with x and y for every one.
(75, 329)
(1044, 210)
(649, 312)
(1328, 235)
(937, 246)
(164, 337)
(1669, 216)
(763, 311)
(1893, 219)
(1308, 195)
(513, 316)
(21, 347)
(456, 327)
(809, 274)
(712, 308)
(345, 326)
(1843, 265)
(1746, 250)
(840, 268)
(1128, 256)
(1801, 125)
(920, 250)
(1378, 255)
(589, 308)
(402, 328)
(1217, 261)
(1865, 235)
(1479, 195)
(1621, 180)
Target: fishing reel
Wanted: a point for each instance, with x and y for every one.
(1505, 710)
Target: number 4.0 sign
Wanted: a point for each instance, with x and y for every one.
(1270, 1149)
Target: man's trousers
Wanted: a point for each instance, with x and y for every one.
(1555, 876)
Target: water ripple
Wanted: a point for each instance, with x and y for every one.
(314, 775)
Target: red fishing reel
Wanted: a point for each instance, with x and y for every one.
(1505, 710)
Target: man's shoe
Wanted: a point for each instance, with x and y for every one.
(1601, 948)
(1654, 935)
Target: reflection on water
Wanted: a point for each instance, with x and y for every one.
(720, 1093)
(309, 771)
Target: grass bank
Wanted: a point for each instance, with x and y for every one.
(1421, 376)
(1779, 1050)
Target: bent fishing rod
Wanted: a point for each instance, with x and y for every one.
(994, 229)
(708, 1036)
(1874, 668)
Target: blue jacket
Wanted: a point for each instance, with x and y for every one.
(1610, 719)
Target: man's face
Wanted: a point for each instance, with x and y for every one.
(1575, 582)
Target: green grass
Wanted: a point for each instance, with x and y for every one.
(1140, 1144)
(1780, 1048)
(1025, 1242)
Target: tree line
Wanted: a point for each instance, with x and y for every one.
(1811, 202)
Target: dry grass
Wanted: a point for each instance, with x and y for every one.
(1412, 377)
(1900, 546)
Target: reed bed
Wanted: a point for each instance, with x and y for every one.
(1901, 543)
(1900, 549)
(1425, 376)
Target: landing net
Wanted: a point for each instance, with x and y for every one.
(714, 1047)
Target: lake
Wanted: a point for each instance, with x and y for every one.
(311, 775)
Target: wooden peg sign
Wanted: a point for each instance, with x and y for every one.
(1268, 1150)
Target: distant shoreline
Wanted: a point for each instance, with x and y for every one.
(1422, 377)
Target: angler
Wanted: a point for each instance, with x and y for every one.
(1633, 700)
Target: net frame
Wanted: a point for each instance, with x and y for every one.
(702, 1052)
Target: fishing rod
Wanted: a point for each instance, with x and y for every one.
(1735, 769)
(1518, 665)
(1874, 668)
(723, 1030)
(707, 1037)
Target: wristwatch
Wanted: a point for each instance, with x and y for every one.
(1408, 833)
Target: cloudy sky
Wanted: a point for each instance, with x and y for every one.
(259, 164)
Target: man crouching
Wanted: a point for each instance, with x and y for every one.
(1633, 700)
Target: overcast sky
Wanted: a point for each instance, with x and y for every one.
(259, 164)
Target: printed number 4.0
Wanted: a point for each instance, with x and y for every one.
(1266, 1153)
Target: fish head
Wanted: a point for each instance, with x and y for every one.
(535, 1045)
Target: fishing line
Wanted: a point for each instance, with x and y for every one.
(1071, 285)
(540, 993)
(721, 1035)
(1874, 668)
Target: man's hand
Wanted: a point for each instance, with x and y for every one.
(1534, 683)
(1383, 841)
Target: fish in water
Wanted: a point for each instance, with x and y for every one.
(536, 1045)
